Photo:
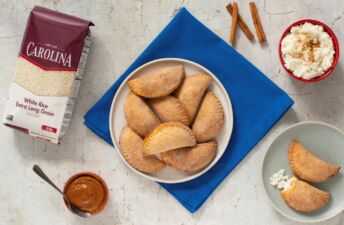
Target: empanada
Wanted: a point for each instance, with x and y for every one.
(131, 148)
(303, 197)
(307, 166)
(169, 109)
(191, 159)
(209, 119)
(167, 136)
(158, 84)
(191, 92)
(139, 116)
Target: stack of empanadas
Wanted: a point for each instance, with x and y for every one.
(299, 194)
(172, 119)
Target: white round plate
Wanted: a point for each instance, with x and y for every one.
(117, 118)
(323, 140)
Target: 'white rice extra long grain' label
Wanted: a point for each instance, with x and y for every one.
(48, 73)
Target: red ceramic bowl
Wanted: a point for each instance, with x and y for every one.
(335, 44)
(106, 190)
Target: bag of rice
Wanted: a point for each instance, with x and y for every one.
(48, 73)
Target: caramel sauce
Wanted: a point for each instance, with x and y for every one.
(86, 192)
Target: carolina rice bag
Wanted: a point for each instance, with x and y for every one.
(48, 73)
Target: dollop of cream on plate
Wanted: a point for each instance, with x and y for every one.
(280, 180)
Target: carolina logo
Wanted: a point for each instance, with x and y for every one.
(49, 54)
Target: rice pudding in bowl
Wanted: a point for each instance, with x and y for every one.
(309, 50)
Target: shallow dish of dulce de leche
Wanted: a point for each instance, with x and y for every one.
(171, 120)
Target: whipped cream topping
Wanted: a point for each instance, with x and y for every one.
(280, 180)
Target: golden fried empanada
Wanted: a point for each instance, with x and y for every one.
(131, 147)
(191, 159)
(169, 109)
(139, 116)
(158, 84)
(167, 136)
(307, 166)
(191, 92)
(303, 197)
(209, 119)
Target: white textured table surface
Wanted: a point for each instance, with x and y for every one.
(123, 29)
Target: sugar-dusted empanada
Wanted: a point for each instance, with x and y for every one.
(209, 119)
(167, 136)
(309, 167)
(303, 197)
(159, 83)
(131, 148)
(139, 116)
(191, 92)
(191, 159)
(169, 109)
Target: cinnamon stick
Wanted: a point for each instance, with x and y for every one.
(234, 23)
(257, 23)
(242, 24)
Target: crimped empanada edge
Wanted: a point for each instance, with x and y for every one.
(293, 164)
(167, 158)
(207, 78)
(200, 75)
(163, 126)
(160, 165)
(180, 109)
(325, 196)
(220, 115)
(219, 109)
(143, 131)
(133, 85)
(184, 117)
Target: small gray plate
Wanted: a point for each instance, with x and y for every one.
(326, 142)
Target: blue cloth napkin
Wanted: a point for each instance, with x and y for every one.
(257, 102)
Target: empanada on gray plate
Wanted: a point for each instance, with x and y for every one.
(309, 167)
(304, 197)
